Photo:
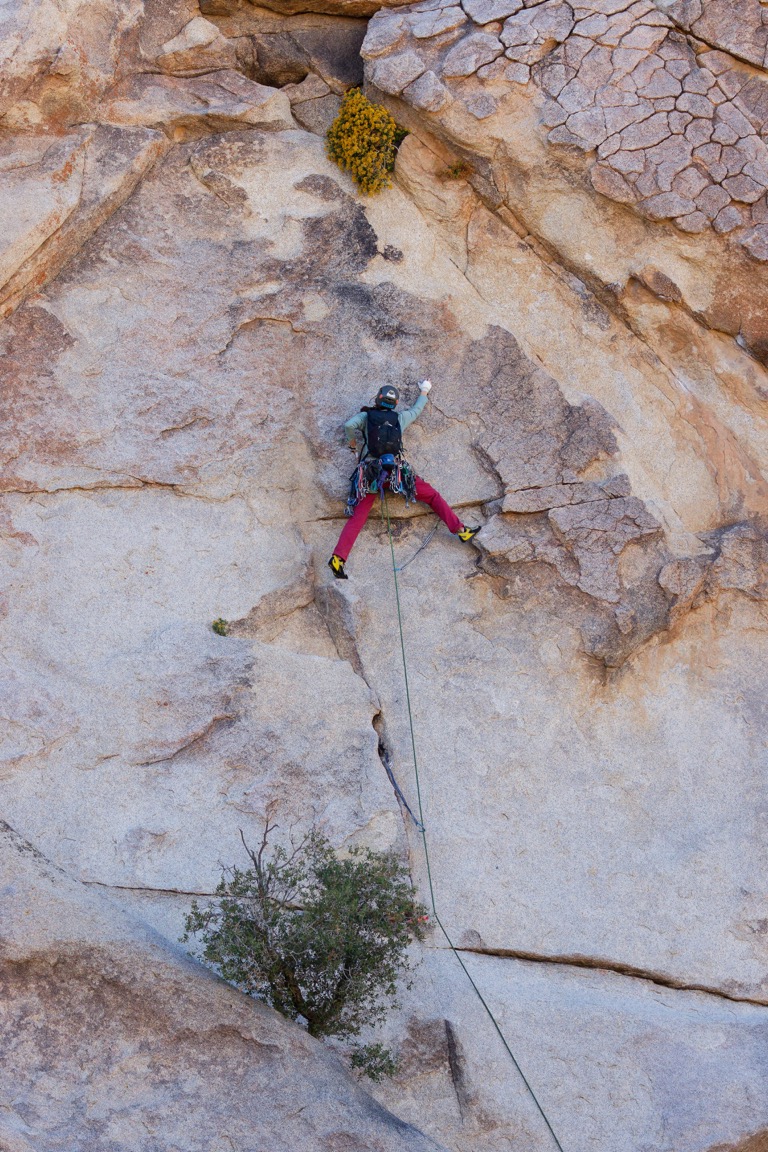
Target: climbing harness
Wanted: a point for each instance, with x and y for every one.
(422, 828)
(372, 474)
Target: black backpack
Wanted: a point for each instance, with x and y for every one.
(382, 433)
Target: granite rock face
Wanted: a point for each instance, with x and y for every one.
(57, 58)
(55, 194)
(676, 131)
(739, 27)
(657, 116)
(638, 1064)
(216, 101)
(194, 300)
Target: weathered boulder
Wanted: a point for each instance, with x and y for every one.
(197, 49)
(55, 193)
(738, 26)
(330, 7)
(142, 1048)
(317, 115)
(216, 101)
(57, 58)
(342, 8)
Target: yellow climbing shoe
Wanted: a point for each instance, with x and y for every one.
(466, 533)
(336, 565)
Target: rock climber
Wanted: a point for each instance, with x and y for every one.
(382, 465)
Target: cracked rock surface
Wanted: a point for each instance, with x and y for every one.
(673, 127)
(194, 299)
(658, 106)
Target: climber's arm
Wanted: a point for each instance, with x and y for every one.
(354, 428)
(410, 414)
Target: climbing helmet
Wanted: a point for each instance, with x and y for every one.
(387, 396)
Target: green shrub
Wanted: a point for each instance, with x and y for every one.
(220, 626)
(374, 1060)
(322, 939)
(363, 140)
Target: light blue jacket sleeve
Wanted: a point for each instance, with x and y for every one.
(354, 425)
(410, 414)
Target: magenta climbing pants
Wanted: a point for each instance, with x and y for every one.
(424, 492)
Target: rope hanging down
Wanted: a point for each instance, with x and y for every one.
(398, 790)
(467, 973)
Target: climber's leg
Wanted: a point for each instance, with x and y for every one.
(353, 526)
(428, 495)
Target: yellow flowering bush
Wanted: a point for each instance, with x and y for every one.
(363, 140)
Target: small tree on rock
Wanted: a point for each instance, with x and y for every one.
(321, 938)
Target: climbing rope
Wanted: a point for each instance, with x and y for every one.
(424, 543)
(467, 973)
